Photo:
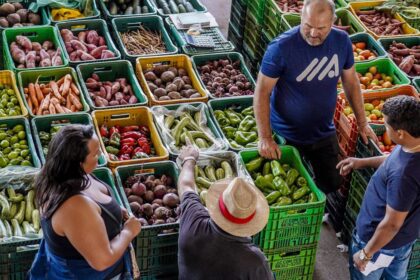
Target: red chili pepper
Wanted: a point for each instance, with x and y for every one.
(132, 134)
(128, 141)
(137, 150)
(145, 130)
(126, 149)
(114, 129)
(104, 131)
(124, 157)
(130, 128)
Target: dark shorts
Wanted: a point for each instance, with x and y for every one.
(323, 158)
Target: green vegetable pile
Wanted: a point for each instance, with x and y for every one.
(9, 104)
(239, 128)
(46, 137)
(282, 184)
(14, 149)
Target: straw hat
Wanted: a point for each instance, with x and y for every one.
(237, 207)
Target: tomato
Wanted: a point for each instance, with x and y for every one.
(361, 45)
(387, 139)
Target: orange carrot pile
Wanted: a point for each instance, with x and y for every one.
(58, 97)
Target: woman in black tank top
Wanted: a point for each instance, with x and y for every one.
(81, 222)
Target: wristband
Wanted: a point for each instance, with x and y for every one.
(187, 159)
(367, 257)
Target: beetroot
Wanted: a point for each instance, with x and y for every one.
(160, 191)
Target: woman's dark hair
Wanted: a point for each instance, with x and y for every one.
(62, 176)
(403, 112)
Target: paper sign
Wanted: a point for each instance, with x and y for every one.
(381, 261)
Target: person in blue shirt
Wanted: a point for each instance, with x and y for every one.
(389, 219)
(296, 91)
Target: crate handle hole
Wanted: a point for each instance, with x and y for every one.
(102, 69)
(45, 79)
(120, 116)
(78, 27)
(29, 34)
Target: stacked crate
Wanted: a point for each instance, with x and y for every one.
(237, 23)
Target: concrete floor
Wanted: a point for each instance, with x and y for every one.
(331, 264)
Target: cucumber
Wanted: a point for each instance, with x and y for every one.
(129, 11)
(11, 192)
(173, 7)
(13, 209)
(8, 228)
(3, 231)
(179, 2)
(135, 4)
(5, 207)
(113, 9)
(20, 216)
(189, 7)
(181, 9)
(162, 4)
(36, 219)
(29, 205)
(17, 231)
(166, 10)
(137, 10)
(145, 10)
(28, 230)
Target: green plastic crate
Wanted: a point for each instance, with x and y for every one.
(409, 41)
(105, 175)
(43, 123)
(11, 122)
(256, 8)
(210, 124)
(45, 76)
(414, 263)
(107, 15)
(110, 71)
(272, 16)
(84, 25)
(95, 14)
(293, 263)
(156, 246)
(347, 18)
(239, 5)
(235, 37)
(221, 44)
(240, 103)
(153, 23)
(238, 19)
(371, 44)
(289, 21)
(35, 34)
(199, 60)
(286, 229)
(416, 83)
(195, 3)
(341, 4)
(386, 66)
(45, 21)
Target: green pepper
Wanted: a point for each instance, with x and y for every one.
(229, 132)
(249, 111)
(244, 138)
(277, 169)
(235, 145)
(301, 181)
(286, 167)
(312, 197)
(292, 174)
(221, 118)
(300, 201)
(293, 188)
(247, 123)
(44, 137)
(273, 196)
(281, 186)
(254, 164)
(114, 140)
(263, 184)
(283, 200)
(254, 175)
(266, 168)
(301, 192)
(233, 117)
(252, 145)
(112, 150)
(269, 177)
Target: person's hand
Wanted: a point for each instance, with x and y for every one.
(347, 165)
(133, 225)
(268, 148)
(358, 263)
(366, 132)
(189, 151)
(124, 213)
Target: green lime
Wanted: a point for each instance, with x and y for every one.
(4, 144)
(7, 150)
(14, 162)
(13, 155)
(21, 135)
(14, 139)
(24, 153)
(18, 128)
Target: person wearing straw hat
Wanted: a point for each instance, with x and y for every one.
(215, 243)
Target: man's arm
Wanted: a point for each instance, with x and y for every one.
(186, 181)
(351, 86)
(268, 147)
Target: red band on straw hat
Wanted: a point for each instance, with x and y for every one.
(227, 215)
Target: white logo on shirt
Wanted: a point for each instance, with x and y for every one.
(315, 67)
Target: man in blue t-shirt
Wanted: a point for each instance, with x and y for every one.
(300, 71)
(389, 218)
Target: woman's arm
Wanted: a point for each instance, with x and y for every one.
(80, 221)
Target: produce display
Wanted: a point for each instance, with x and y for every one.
(170, 83)
(174, 6)
(281, 183)
(290, 6)
(14, 149)
(19, 217)
(15, 15)
(361, 53)
(143, 41)
(55, 97)
(153, 198)
(408, 8)
(186, 122)
(61, 14)
(87, 45)
(107, 93)
(407, 59)
(223, 78)
(127, 142)
(126, 7)
(27, 54)
(380, 22)
(372, 80)
(239, 127)
(385, 143)
(47, 136)
(9, 104)
(372, 110)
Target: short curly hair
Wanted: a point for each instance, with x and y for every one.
(403, 112)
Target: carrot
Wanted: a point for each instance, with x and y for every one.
(39, 94)
(66, 84)
(29, 103)
(76, 102)
(32, 95)
(42, 86)
(46, 102)
(25, 91)
(46, 91)
(55, 91)
(52, 109)
(74, 89)
(59, 109)
(66, 110)
(73, 108)
(60, 81)
(54, 100)
(68, 103)
(45, 112)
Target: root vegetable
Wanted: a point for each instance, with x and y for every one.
(143, 41)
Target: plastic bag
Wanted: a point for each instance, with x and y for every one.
(18, 177)
(168, 138)
(84, 6)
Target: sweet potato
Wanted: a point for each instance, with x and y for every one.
(82, 36)
(92, 37)
(47, 45)
(18, 55)
(24, 42)
(67, 35)
(78, 45)
(84, 55)
(107, 54)
(407, 63)
(97, 53)
(30, 59)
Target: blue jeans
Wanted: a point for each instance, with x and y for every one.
(397, 270)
